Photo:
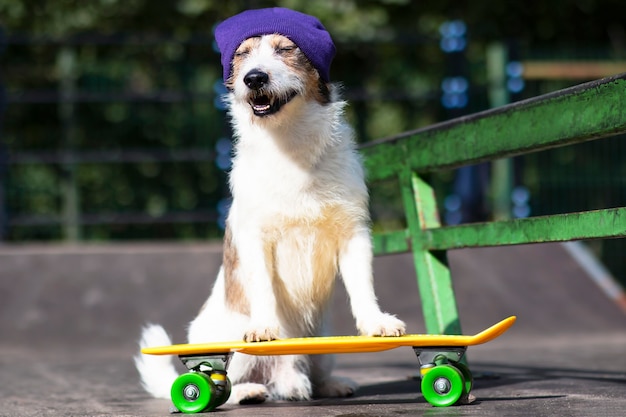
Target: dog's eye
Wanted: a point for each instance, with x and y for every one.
(242, 53)
(286, 49)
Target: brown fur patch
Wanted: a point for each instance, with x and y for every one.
(316, 88)
(238, 59)
(312, 244)
(236, 298)
(334, 228)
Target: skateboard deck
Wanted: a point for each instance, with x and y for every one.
(333, 344)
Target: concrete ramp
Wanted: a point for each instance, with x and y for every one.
(542, 284)
(100, 294)
(97, 294)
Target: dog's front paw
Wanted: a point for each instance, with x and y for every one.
(248, 393)
(382, 325)
(261, 334)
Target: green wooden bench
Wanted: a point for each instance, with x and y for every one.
(585, 112)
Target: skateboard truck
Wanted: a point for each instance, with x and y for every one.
(197, 362)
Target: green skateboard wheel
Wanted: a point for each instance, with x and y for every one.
(443, 385)
(192, 392)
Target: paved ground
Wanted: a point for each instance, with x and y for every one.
(70, 316)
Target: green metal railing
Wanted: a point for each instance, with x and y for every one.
(586, 112)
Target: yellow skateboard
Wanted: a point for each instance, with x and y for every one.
(445, 379)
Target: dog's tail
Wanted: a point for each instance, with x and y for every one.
(157, 373)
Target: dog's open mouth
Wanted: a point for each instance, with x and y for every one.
(263, 105)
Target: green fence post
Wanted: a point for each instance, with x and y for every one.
(66, 65)
(433, 276)
(501, 169)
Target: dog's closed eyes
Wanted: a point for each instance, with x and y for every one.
(281, 45)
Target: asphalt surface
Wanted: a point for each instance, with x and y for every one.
(70, 318)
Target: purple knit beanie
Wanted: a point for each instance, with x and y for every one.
(304, 30)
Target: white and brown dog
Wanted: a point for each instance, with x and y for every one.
(299, 216)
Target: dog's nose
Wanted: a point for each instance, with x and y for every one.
(256, 79)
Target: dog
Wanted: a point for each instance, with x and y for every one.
(298, 220)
